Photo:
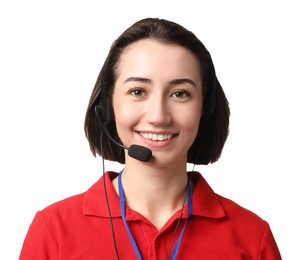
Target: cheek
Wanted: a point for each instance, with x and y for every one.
(120, 112)
(192, 129)
(189, 119)
(192, 125)
(125, 117)
(123, 110)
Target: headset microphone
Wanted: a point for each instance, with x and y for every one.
(135, 151)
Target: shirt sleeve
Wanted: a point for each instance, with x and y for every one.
(269, 249)
(39, 243)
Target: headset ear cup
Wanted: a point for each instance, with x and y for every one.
(212, 83)
(105, 98)
(106, 111)
(210, 98)
(106, 105)
(109, 111)
(103, 102)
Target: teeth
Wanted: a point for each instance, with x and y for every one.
(156, 137)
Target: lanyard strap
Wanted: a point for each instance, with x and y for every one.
(131, 238)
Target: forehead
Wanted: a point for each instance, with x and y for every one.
(151, 57)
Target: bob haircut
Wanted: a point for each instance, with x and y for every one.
(214, 123)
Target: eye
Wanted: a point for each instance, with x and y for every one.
(181, 94)
(136, 92)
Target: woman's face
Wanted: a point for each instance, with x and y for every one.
(157, 99)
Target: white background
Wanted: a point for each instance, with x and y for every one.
(51, 53)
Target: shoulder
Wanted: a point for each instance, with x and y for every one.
(246, 224)
(237, 213)
(210, 204)
(76, 207)
(69, 204)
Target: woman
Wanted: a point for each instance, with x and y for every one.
(157, 105)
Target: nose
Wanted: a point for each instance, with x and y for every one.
(158, 112)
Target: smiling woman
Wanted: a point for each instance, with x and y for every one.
(151, 101)
(157, 92)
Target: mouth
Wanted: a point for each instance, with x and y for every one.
(157, 137)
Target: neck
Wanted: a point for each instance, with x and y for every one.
(156, 193)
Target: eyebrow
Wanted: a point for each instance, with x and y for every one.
(183, 81)
(172, 82)
(138, 79)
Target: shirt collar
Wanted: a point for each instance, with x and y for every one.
(205, 202)
(95, 201)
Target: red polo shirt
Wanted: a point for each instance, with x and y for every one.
(79, 228)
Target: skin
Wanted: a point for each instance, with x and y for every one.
(157, 104)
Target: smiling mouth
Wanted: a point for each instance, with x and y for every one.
(157, 137)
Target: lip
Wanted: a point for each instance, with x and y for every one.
(157, 139)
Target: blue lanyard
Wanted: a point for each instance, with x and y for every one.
(131, 238)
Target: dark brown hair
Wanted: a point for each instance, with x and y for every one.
(214, 123)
